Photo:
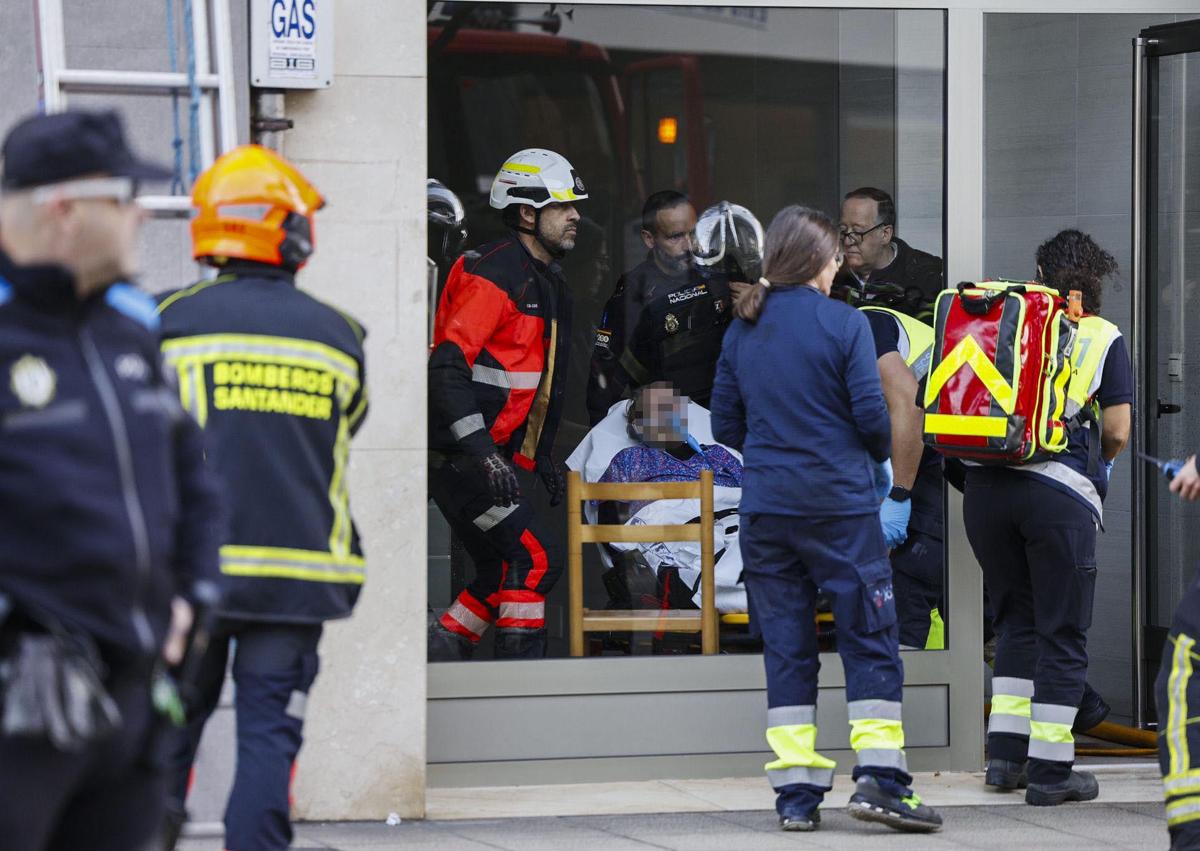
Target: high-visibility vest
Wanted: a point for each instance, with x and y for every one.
(1092, 342)
(916, 340)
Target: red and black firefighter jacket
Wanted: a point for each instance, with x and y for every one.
(499, 362)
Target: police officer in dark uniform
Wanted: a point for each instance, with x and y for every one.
(278, 381)
(111, 521)
(901, 277)
(666, 318)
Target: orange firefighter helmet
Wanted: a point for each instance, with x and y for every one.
(252, 204)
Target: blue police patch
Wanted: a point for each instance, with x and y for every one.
(132, 302)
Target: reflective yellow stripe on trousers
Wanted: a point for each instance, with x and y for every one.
(792, 735)
(1011, 702)
(876, 733)
(1050, 736)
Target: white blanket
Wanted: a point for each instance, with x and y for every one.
(592, 458)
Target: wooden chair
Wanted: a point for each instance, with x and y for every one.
(579, 532)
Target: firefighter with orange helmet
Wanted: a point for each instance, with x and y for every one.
(276, 378)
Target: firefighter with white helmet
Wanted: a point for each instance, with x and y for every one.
(277, 380)
(497, 378)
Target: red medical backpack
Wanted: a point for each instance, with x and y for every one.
(997, 384)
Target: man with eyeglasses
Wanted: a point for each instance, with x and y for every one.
(111, 521)
(881, 269)
(665, 320)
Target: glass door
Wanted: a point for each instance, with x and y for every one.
(1167, 294)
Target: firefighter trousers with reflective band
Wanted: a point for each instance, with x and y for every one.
(274, 666)
(1037, 548)
(106, 797)
(1177, 695)
(786, 559)
(516, 561)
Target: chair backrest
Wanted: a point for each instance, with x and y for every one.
(579, 532)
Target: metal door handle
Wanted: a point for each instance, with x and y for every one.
(1168, 408)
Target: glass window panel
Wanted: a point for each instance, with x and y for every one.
(758, 107)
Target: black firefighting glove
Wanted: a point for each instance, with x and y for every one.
(552, 477)
(501, 479)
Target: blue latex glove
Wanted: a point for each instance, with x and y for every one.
(893, 516)
(883, 479)
(1108, 467)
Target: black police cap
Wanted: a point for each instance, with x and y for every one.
(44, 149)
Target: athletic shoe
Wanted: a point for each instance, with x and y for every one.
(870, 802)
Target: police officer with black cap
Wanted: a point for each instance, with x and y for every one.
(110, 522)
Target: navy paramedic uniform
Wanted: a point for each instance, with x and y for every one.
(918, 565)
(798, 393)
(277, 380)
(496, 384)
(1033, 529)
(109, 512)
(658, 328)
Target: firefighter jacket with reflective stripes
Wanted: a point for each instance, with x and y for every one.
(499, 363)
(109, 509)
(659, 328)
(277, 380)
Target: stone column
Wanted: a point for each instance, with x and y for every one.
(362, 142)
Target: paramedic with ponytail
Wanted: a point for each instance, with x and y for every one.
(797, 391)
(1033, 529)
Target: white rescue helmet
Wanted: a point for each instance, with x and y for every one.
(536, 177)
(730, 239)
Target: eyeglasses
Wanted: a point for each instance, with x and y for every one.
(855, 237)
(122, 190)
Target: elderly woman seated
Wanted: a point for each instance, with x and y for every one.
(647, 439)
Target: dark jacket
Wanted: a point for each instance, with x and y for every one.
(501, 339)
(798, 392)
(916, 275)
(109, 510)
(278, 381)
(658, 328)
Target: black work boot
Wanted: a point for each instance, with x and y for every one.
(517, 643)
(1080, 786)
(871, 802)
(1005, 775)
(1092, 710)
(446, 646)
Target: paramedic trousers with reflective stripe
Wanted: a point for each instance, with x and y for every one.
(516, 561)
(1177, 695)
(1037, 548)
(274, 666)
(918, 580)
(786, 560)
